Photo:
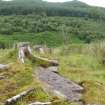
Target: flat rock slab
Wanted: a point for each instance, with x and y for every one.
(59, 85)
(3, 67)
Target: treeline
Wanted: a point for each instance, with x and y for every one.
(86, 30)
(39, 7)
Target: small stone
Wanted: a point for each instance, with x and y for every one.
(2, 77)
(3, 67)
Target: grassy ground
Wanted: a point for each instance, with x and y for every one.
(20, 78)
(88, 71)
(76, 63)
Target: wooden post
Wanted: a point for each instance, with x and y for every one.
(25, 51)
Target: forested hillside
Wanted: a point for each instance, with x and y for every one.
(73, 8)
(73, 22)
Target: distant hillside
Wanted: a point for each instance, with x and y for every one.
(48, 23)
(73, 8)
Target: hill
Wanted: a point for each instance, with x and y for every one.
(73, 8)
(48, 23)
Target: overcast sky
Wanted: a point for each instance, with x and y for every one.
(90, 2)
(100, 3)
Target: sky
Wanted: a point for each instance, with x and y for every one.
(100, 3)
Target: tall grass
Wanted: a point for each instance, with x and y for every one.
(84, 64)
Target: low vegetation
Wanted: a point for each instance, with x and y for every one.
(79, 63)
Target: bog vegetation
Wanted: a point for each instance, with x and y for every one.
(83, 64)
(75, 30)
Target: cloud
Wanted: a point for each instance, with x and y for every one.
(95, 2)
(100, 3)
(56, 0)
(7, 0)
(90, 2)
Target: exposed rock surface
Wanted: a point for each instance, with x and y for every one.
(58, 85)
